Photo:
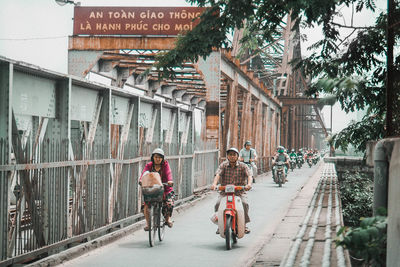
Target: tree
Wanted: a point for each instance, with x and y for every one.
(353, 65)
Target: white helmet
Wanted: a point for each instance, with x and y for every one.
(158, 151)
(232, 149)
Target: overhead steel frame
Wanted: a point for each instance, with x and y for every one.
(291, 86)
(249, 111)
(206, 83)
(65, 177)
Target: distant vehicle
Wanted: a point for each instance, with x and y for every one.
(280, 176)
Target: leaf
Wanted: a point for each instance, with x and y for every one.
(364, 235)
(341, 230)
(373, 232)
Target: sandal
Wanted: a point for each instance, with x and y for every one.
(246, 230)
(146, 228)
(169, 224)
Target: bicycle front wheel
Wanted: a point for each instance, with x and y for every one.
(161, 223)
(152, 225)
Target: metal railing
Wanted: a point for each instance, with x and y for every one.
(49, 202)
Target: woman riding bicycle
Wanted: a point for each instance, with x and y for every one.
(158, 164)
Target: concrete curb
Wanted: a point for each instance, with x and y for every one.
(79, 250)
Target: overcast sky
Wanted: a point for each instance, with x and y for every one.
(37, 32)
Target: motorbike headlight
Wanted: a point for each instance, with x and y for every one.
(230, 189)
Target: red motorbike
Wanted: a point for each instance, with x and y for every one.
(231, 223)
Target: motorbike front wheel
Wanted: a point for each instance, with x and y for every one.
(228, 233)
(280, 180)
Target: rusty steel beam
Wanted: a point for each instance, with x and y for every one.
(230, 130)
(246, 119)
(320, 120)
(291, 101)
(186, 82)
(117, 43)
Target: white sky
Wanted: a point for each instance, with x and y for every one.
(36, 32)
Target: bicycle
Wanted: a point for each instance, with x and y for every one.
(153, 196)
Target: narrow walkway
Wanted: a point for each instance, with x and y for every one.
(311, 223)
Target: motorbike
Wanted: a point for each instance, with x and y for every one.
(231, 222)
(280, 175)
(299, 162)
(292, 163)
(253, 170)
(310, 161)
(315, 160)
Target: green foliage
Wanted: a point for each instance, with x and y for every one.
(367, 243)
(358, 133)
(357, 77)
(356, 194)
(353, 67)
(265, 18)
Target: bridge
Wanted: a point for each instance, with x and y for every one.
(73, 145)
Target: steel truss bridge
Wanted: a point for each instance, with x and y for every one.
(71, 149)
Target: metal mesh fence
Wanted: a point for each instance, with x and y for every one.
(77, 188)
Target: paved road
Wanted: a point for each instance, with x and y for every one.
(193, 242)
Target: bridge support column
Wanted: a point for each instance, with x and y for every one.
(293, 130)
(266, 145)
(273, 131)
(257, 127)
(57, 136)
(278, 129)
(230, 132)
(6, 85)
(246, 119)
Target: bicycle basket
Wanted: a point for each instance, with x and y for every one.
(153, 193)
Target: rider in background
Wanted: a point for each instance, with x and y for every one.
(300, 154)
(248, 155)
(158, 164)
(293, 154)
(280, 156)
(232, 171)
(309, 154)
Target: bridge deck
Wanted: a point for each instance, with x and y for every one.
(311, 223)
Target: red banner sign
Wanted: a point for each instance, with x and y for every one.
(135, 20)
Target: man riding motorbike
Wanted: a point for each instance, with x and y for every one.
(316, 155)
(310, 154)
(293, 159)
(280, 156)
(158, 164)
(248, 155)
(300, 155)
(309, 157)
(237, 173)
(293, 153)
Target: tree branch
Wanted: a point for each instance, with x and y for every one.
(352, 27)
(342, 41)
